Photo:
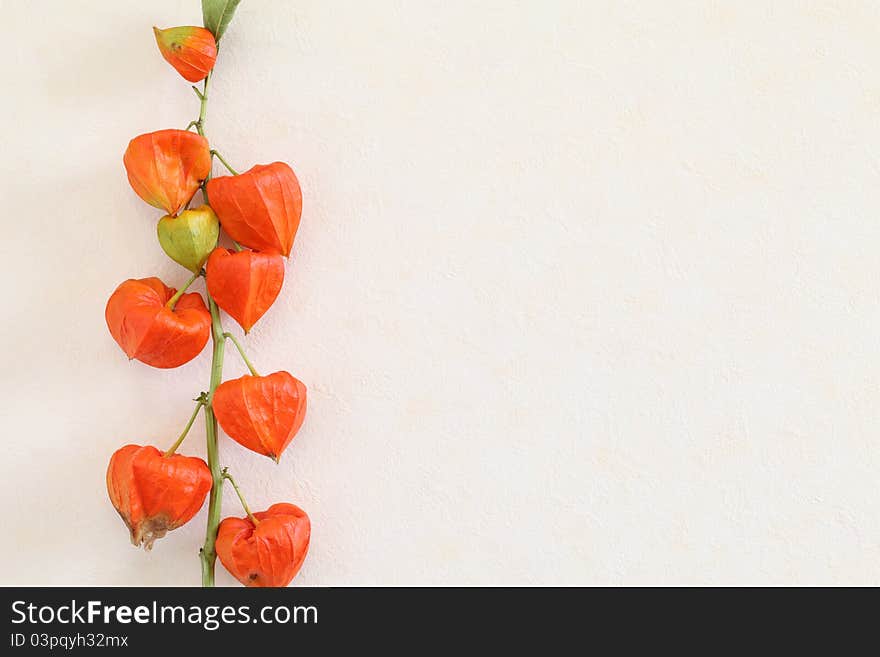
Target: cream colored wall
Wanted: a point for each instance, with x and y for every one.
(585, 292)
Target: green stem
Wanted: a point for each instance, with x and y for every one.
(241, 353)
(208, 553)
(203, 106)
(186, 429)
(173, 300)
(225, 163)
(200, 126)
(241, 499)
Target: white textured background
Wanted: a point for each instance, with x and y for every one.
(585, 292)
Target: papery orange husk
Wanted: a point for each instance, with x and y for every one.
(260, 208)
(152, 333)
(155, 493)
(165, 168)
(262, 413)
(190, 50)
(268, 554)
(244, 283)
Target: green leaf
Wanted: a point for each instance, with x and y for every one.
(217, 14)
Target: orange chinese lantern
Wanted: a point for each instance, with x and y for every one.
(190, 50)
(244, 283)
(166, 168)
(142, 323)
(262, 413)
(260, 208)
(269, 552)
(155, 493)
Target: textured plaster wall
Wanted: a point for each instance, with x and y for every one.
(585, 292)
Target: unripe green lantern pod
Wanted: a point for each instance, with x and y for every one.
(189, 238)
